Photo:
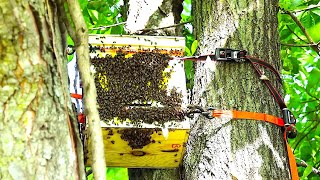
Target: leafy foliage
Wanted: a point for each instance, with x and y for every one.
(99, 13)
(301, 72)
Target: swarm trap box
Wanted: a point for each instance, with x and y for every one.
(141, 94)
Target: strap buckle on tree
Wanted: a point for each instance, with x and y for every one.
(289, 123)
(193, 109)
(224, 54)
(288, 117)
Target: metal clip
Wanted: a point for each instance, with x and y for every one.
(70, 50)
(288, 117)
(225, 54)
(206, 112)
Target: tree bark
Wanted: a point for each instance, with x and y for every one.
(38, 130)
(241, 149)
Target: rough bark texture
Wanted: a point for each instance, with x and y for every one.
(239, 149)
(37, 125)
(153, 14)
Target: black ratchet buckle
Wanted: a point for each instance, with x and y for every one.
(289, 123)
(288, 117)
(194, 109)
(225, 54)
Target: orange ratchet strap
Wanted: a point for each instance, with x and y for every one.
(76, 96)
(266, 118)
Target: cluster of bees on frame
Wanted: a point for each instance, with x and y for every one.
(137, 138)
(128, 86)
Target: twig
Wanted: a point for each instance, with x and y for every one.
(311, 100)
(303, 29)
(313, 96)
(306, 9)
(317, 164)
(90, 94)
(312, 111)
(296, 34)
(89, 172)
(65, 15)
(154, 29)
(302, 163)
(299, 45)
(299, 141)
(108, 26)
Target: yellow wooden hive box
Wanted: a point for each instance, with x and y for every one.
(164, 142)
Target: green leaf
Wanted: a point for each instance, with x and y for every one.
(83, 4)
(285, 33)
(117, 174)
(308, 20)
(313, 80)
(314, 32)
(189, 70)
(187, 50)
(307, 171)
(305, 151)
(194, 47)
(316, 11)
(295, 65)
(290, 4)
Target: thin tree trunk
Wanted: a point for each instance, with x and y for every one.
(38, 129)
(79, 33)
(239, 149)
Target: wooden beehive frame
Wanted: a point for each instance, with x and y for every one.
(164, 44)
(165, 151)
(144, 43)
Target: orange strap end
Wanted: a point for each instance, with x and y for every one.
(76, 96)
(266, 118)
(81, 118)
(292, 161)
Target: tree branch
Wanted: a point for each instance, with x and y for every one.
(105, 27)
(296, 34)
(305, 135)
(306, 9)
(299, 45)
(64, 14)
(303, 29)
(90, 94)
(302, 163)
(143, 31)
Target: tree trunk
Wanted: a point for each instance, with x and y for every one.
(37, 126)
(239, 149)
(221, 148)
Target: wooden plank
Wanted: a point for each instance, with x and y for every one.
(160, 154)
(135, 41)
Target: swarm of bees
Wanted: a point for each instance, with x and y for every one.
(126, 88)
(136, 138)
